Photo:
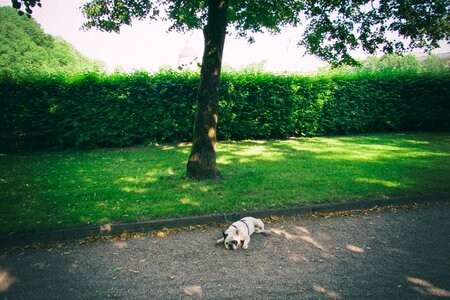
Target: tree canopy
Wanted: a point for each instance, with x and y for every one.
(333, 28)
(26, 49)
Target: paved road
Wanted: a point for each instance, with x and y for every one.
(390, 255)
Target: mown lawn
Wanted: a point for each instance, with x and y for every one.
(52, 190)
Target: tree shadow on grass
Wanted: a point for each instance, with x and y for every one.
(266, 174)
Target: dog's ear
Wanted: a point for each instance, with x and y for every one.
(224, 234)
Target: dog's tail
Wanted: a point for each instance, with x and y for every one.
(259, 227)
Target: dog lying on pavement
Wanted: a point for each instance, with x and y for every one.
(240, 232)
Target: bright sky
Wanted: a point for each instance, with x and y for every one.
(149, 46)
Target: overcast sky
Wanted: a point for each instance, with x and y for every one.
(149, 46)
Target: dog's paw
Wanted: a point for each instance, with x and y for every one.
(245, 247)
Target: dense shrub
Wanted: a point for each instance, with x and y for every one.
(117, 110)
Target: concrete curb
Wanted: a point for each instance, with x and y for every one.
(72, 234)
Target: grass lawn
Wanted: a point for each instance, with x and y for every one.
(52, 190)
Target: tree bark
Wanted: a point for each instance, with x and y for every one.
(202, 160)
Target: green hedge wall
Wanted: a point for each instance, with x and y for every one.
(92, 110)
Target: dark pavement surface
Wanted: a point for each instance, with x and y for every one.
(388, 255)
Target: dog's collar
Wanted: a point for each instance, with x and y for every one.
(248, 229)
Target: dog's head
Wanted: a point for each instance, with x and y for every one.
(231, 240)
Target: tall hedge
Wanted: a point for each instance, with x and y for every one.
(92, 110)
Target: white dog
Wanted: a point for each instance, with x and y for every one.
(240, 232)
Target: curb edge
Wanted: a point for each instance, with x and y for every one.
(72, 234)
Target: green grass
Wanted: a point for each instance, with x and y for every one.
(43, 191)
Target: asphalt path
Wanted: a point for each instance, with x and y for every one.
(388, 255)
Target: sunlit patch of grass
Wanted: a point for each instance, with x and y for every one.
(189, 202)
(42, 191)
(385, 183)
(133, 190)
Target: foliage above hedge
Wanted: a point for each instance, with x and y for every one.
(26, 49)
(92, 110)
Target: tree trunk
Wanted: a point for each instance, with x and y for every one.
(202, 160)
